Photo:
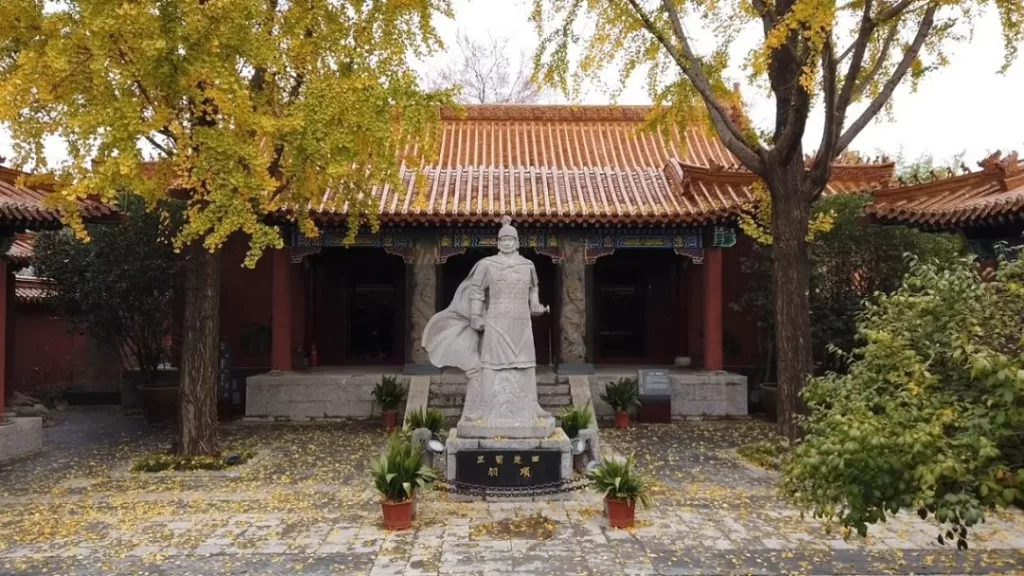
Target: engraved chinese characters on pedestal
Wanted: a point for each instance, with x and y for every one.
(487, 332)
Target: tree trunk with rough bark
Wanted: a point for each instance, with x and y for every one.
(790, 286)
(200, 353)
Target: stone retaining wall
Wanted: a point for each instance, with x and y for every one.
(694, 394)
(299, 396)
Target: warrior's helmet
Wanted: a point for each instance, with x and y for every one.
(507, 229)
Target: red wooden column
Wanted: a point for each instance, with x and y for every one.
(694, 314)
(281, 312)
(713, 309)
(3, 331)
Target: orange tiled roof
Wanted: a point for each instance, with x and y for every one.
(22, 249)
(23, 208)
(992, 195)
(574, 164)
(29, 290)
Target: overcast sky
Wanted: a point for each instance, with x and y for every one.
(966, 107)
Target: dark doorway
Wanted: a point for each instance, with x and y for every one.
(636, 310)
(358, 306)
(456, 269)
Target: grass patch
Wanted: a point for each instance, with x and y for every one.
(767, 454)
(158, 462)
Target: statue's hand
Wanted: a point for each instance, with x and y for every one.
(537, 309)
(476, 323)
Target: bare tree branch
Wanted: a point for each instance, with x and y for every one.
(883, 57)
(487, 74)
(730, 134)
(927, 21)
(819, 172)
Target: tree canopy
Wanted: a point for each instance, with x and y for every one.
(247, 107)
(929, 415)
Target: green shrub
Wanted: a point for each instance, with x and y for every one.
(616, 479)
(623, 395)
(430, 418)
(929, 415)
(389, 393)
(399, 471)
(158, 462)
(575, 419)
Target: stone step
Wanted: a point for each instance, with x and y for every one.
(460, 389)
(457, 401)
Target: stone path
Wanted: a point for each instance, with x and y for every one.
(305, 506)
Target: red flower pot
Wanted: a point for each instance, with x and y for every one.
(397, 515)
(390, 418)
(622, 420)
(621, 513)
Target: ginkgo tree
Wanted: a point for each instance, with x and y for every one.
(245, 108)
(841, 61)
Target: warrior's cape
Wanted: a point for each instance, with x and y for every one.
(448, 337)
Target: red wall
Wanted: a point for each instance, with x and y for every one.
(245, 305)
(48, 357)
(737, 329)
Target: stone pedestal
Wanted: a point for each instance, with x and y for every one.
(20, 436)
(488, 468)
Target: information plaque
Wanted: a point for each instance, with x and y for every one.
(508, 467)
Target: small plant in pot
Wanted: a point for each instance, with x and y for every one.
(575, 419)
(389, 394)
(429, 418)
(622, 488)
(623, 396)
(397, 474)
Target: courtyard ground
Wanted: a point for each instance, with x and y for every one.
(305, 505)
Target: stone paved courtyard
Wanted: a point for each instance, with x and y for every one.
(305, 506)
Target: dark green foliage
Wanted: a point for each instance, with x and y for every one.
(399, 471)
(162, 461)
(119, 285)
(928, 416)
(389, 393)
(430, 418)
(622, 395)
(616, 479)
(851, 262)
(575, 419)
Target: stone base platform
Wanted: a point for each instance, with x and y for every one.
(507, 468)
(316, 393)
(20, 436)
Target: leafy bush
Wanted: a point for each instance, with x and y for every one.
(929, 414)
(850, 262)
(425, 418)
(575, 419)
(615, 478)
(159, 462)
(119, 286)
(399, 471)
(389, 393)
(623, 395)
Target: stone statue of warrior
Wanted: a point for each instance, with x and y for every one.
(487, 332)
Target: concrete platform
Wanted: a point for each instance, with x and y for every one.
(328, 392)
(20, 436)
(694, 393)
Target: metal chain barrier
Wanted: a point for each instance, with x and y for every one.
(456, 487)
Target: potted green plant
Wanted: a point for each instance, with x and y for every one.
(623, 396)
(622, 488)
(575, 419)
(389, 394)
(397, 474)
(430, 418)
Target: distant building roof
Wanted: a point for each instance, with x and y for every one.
(991, 196)
(28, 290)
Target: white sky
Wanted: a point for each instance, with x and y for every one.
(966, 107)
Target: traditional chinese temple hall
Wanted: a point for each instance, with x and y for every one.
(632, 232)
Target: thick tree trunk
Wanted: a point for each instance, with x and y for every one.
(790, 286)
(200, 353)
